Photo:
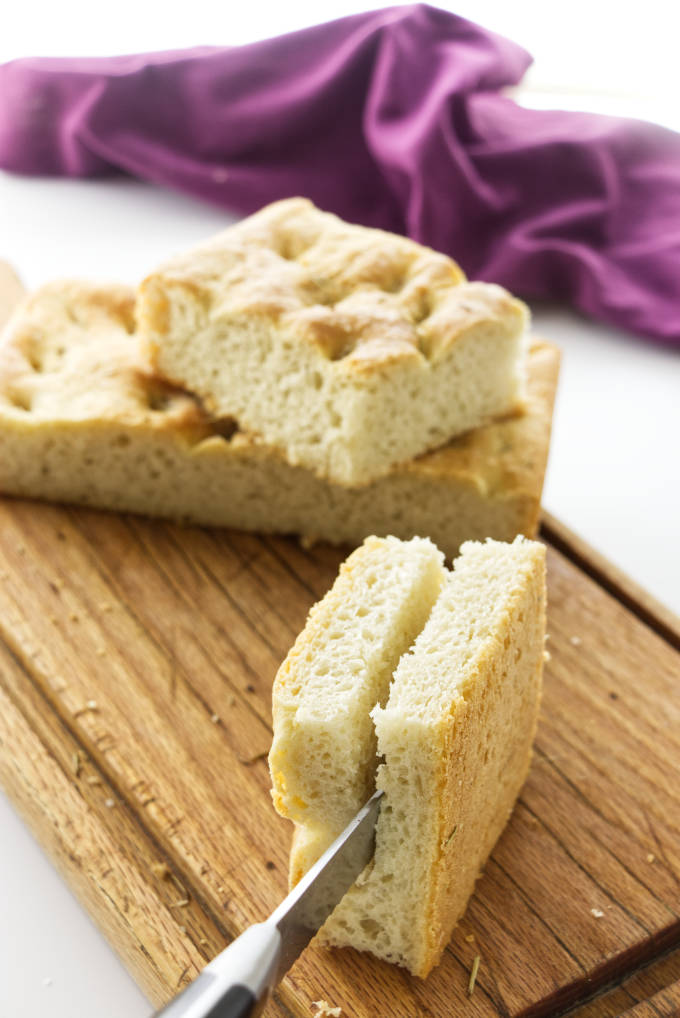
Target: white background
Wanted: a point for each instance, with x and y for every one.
(613, 474)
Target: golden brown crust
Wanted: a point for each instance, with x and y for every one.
(363, 297)
(461, 760)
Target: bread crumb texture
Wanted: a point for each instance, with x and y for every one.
(347, 348)
(84, 419)
(454, 734)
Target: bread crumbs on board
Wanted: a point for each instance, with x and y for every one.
(325, 1010)
(90, 705)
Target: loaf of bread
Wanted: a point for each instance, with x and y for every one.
(84, 419)
(349, 349)
(454, 735)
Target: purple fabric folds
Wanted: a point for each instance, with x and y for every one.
(393, 118)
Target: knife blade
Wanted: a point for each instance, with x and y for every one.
(237, 983)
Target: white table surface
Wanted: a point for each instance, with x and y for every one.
(613, 474)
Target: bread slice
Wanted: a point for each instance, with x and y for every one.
(83, 419)
(455, 736)
(349, 349)
(322, 758)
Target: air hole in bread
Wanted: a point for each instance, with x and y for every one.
(158, 400)
(343, 350)
(20, 400)
(394, 285)
(284, 249)
(424, 308)
(290, 246)
(225, 426)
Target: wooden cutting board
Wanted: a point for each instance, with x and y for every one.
(136, 663)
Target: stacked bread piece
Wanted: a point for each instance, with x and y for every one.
(350, 350)
(288, 376)
(446, 731)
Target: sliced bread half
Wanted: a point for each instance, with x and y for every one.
(455, 737)
(323, 755)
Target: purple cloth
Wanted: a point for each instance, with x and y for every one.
(392, 118)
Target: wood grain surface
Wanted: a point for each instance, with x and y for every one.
(643, 984)
(664, 1004)
(136, 662)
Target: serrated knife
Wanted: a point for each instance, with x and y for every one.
(237, 983)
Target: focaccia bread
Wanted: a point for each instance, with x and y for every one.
(455, 738)
(349, 349)
(84, 419)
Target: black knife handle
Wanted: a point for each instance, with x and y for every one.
(237, 983)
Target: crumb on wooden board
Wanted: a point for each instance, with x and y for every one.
(326, 1010)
